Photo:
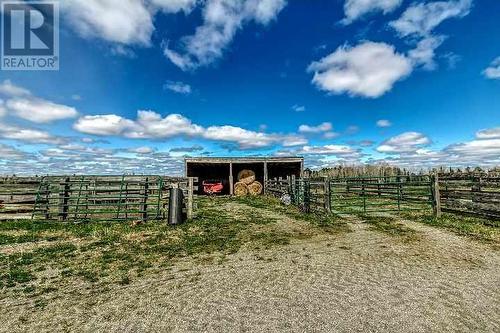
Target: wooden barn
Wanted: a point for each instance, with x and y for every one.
(225, 170)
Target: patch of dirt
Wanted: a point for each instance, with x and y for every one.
(32, 246)
(350, 282)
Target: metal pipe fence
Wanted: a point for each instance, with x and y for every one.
(96, 198)
(358, 194)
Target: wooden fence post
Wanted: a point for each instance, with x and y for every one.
(327, 196)
(47, 201)
(436, 196)
(145, 201)
(292, 194)
(289, 184)
(189, 208)
(64, 199)
(307, 196)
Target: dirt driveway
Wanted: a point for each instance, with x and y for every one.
(358, 281)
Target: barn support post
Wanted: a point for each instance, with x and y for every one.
(231, 181)
(436, 196)
(265, 177)
(189, 210)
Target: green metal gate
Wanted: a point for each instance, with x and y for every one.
(100, 198)
(380, 194)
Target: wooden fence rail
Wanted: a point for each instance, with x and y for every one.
(475, 195)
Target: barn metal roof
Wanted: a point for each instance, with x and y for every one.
(287, 159)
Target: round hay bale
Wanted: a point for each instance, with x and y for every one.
(255, 188)
(240, 189)
(246, 176)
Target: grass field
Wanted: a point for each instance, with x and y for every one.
(39, 257)
(50, 267)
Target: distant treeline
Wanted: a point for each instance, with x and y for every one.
(385, 170)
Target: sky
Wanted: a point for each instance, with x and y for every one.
(144, 83)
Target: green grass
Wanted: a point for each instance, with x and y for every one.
(327, 222)
(478, 228)
(102, 253)
(390, 226)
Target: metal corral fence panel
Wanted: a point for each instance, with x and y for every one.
(381, 194)
(83, 198)
(469, 194)
(357, 194)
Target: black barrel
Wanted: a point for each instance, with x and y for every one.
(175, 215)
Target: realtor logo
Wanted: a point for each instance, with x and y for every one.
(30, 35)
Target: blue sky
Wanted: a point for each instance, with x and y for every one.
(143, 83)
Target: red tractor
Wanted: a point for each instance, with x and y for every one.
(212, 186)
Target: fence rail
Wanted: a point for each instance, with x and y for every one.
(476, 195)
(357, 194)
(78, 198)
(466, 194)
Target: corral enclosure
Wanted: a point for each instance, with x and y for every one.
(227, 169)
(85, 198)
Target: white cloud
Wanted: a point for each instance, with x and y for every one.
(28, 135)
(11, 153)
(355, 9)
(21, 103)
(9, 89)
(423, 54)
(103, 124)
(324, 127)
(3, 110)
(151, 125)
(328, 150)
(421, 18)
(330, 135)
(191, 149)
(91, 161)
(493, 71)
(384, 123)
(491, 133)
(174, 6)
(142, 150)
(298, 108)
(178, 87)
(291, 140)
(245, 138)
(418, 23)
(368, 69)
(117, 21)
(39, 111)
(408, 150)
(404, 143)
(351, 130)
(488, 148)
(221, 21)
